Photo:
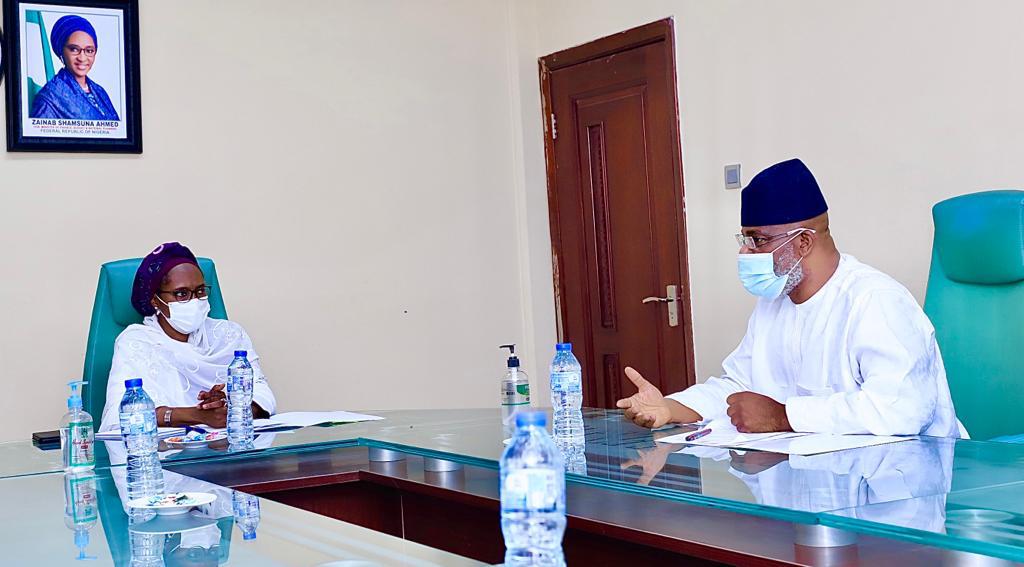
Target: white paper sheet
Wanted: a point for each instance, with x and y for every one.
(162, 433)
(307, 418)
(724, 435)
(816, 443)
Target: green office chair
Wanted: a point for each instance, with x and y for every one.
(112, 311)
(975, 299)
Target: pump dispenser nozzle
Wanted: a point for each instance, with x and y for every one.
(513, 360)
(82, 542)
(75, 399)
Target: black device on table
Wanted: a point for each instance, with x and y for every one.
(46, 440)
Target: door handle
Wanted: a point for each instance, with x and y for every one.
(672, 300)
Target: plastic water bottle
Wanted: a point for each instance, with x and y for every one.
(76, 434)
(240, 400)
(532, 495)
(138, 428)
(246, 508)
(566, 393)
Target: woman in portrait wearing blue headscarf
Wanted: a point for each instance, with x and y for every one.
(71, 93)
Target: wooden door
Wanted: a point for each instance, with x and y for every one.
(617, 210)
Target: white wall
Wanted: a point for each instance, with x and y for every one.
(893, 105)
(348, 165)
(387, 159)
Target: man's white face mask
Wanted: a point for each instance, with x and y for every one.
(189, 316)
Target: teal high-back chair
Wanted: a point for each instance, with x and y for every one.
(975, 299)
(112, 311)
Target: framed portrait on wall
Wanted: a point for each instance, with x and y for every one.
(72, 76)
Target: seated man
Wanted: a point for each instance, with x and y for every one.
(181, 355)
(833, 345)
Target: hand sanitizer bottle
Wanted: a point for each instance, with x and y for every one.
(515, 391)
(76, 434)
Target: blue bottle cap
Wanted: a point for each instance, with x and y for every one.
(563, 347)
(133, 383)
(537, 418)
(241, 353)
(249, 535)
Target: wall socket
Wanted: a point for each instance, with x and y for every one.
(732, 176)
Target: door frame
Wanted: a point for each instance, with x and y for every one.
(659, 32)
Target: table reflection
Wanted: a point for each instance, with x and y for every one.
(200, 537)
(914, 476)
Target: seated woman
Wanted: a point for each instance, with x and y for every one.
(181, 355)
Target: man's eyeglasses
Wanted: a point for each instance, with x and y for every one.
(757, 241)
(75, 50)
(183, 294)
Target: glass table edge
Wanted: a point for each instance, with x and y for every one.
(922, 537)
(782, 514)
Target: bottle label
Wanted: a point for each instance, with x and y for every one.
(82, 498)
(81, 440)
(534, 490)
(513, 394)
(136, 424)
(566, 381)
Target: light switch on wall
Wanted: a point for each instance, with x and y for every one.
(732, 176)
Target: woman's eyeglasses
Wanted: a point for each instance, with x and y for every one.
(183, 294)
(75, 50)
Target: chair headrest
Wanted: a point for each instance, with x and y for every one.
(121, 276)
(979, 238)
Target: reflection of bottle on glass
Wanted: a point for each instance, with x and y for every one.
(574, 453)
(246, 509)
(80, 508)
(146, 549)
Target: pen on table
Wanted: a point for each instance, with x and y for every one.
(196, 429)
(698, 435)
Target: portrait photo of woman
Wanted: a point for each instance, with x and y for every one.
(71, 93)
(72, 76)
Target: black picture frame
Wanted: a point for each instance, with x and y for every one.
(3, 60)
(68, 133)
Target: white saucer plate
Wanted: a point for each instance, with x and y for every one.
(187, 501)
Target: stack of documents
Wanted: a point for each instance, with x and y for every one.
(723, 434)
(307, 418)
(162, 433)
(286, 420)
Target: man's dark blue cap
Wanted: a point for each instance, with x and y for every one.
(782, 194)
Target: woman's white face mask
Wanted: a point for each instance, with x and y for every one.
(189, 316)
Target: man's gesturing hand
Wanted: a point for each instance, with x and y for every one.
(647, 407)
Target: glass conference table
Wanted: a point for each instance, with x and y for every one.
(33, 531)
(958, 495)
